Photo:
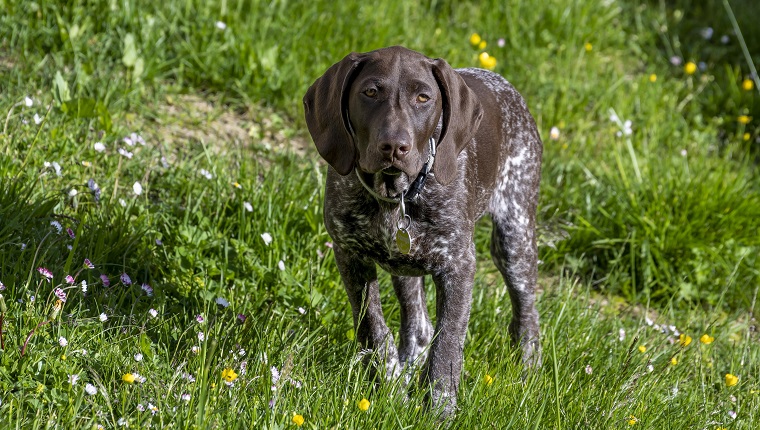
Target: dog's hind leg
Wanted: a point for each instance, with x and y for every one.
(416, 331)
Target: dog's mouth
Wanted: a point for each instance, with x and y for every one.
(391, 171)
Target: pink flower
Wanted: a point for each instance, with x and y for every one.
(88, 264)
(60, 294)
(45, 272)
(69, 279)
(106, 281)
(241, 318)
(148, 289)
(125, 279)
(70, 232)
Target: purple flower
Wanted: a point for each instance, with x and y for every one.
(70, 232)
(241, 318)
(676, 60)
(2, 286)
(60, 294)
(148, 289)
(125, 279)
(88, 264)
(45, 272)
(106, 281)
(199, 318)
(70, 279)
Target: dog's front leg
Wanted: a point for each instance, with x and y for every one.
(360, 280)
(453, 302)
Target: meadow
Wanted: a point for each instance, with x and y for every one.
(163, 261)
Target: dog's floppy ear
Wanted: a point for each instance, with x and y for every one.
(462, 113)
(326, 109)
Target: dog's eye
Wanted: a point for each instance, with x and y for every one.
(422, 98)
(370, 92)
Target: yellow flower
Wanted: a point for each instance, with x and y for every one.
(229, 375)
(706, 339)
(673, 361)
(747, 85)
(363, 405)
(128, 378)
(642, 349)
(236, 184)
(482, 44)
(652, 78)
(588, 47)
(746, 136)
(684, 340)
(298, 420)
(731, 380)
(690, 68)
(488, 379)
(487, 61)
(63, 357)
(744, 119)
(475, 39)
(632, 420)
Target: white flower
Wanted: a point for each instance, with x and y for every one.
(84, 286)
(73, 379)
(194, 349)
(732, 414)
(125, 153)
(301, 311)
(650, 368)
(57, 168)
(220, 25)
(706, 33)
(222, 302)
(684, 153)
(613, 117)
(588, 369)
(621, 334)
(275, 375)
(153, 313)
(554, 133)
(185, 397)
(90, 389)
(103, 317)
(123, 203)
(281, 265)
(99, 146)
(627, 128)
(138, 357)
(28, 101)
(37, 119)
(648, 321)
(201, 336)
(267, 238)
(62, 341)
(122, 422)
(73, 192)
(139, 378)
(206, 174)
(137, 188)
(249, 208)
(140, 407)
(57, 226)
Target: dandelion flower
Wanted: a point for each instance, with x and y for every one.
(482, 44)
(632, 420)
(746, 137)
(267, 238)
(298, 420)
(706, 339)
(653, 78)
(90, 389)
(744, 119)
(363, 404)
(488, 379)
(588, 47)
(673, 361)
(475, 40)
(731, 380)
(487, 61)
(748, 85)
(690, 68)
(229, 375)
(684, 340)
(128, 378)
(642, 349)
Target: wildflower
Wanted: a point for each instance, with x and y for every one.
(201, 336)
(488, 379)
(267, 238)
(684, 340)
(220, 25)
(206, 174)
(2, 286)
(56, 309)
(237, 185)
(69, 279)
(275, 376)
(747, 85)
(281, 265)
(706, 339)
(501, 42)
(642, 349)
(554, 133)
(140, 407)
(650, 368)
(487, 61)
(137, 188)
(241, 318)
(744, 119)
(139, 378)
(105, 280)
(475, 40)
(690, 68)
(138, 357)
(249, 208)
(731, 380)
(28, 102)
(73, 379)
(621, 334)
(189, 377)
(152, 409)
(676, 60)
(98, 146)
(746, 137)
(363, 405)
(60, 294)
(185, 397)
(128, 378)
(301, 311)
(199, 318)
(653, 78)
(62, 341)
(103, 317)
(194, 349)
(298, 420)
(732, 414)
(148, 289)
(673, 361)
(706, 33)
(88, 264)
(725, 39)
(153, 313)
(125, 153)
(125, 279)
(229, 375)
(632, 420)
(123, 203)
(90, 389)
(626, 130)
(69, 231)
(588, 47)
(122, 422)
(222, 302)
(37, 119)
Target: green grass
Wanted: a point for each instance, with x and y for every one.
(638, 232)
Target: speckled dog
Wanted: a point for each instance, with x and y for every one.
(418, 152)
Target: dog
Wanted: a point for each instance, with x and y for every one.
(417, 153)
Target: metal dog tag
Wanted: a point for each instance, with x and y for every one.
(403, 241)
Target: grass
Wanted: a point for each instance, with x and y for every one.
(642, 233)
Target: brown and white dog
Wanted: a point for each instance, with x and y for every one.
(418, 152)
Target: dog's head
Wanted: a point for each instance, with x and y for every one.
(376, 112)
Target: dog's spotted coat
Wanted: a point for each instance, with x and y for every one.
(493, 167)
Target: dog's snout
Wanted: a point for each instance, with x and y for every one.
(396, 149)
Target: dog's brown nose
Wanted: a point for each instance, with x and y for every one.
(396, 149)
